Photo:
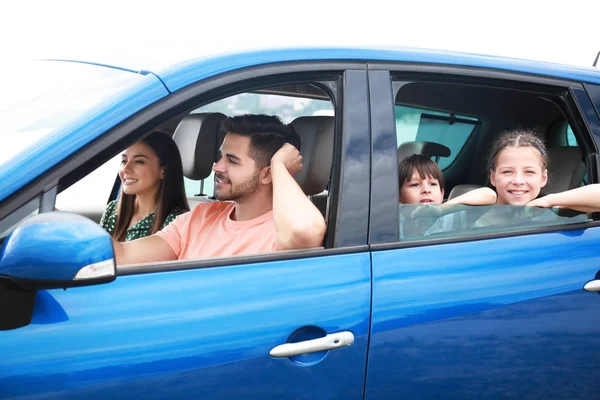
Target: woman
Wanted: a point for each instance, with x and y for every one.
(152, 191)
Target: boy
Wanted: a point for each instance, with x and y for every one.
(421, 181)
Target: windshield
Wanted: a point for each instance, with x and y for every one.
(40, 97)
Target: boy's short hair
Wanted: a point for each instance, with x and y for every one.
(424, 166)
(267, 134)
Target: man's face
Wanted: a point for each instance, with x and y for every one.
(236, 173)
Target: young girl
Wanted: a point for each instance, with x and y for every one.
(517, 166)
(152, 190)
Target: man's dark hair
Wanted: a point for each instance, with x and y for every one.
(267, 134)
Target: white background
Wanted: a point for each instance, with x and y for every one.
(564, 32)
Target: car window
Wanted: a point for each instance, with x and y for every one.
(571, 140)
(89, 195)
(8, 224)
(425, 222)
(287, 108)
(451, 114)
(453, 131)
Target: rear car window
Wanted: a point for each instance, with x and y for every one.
(451, 130)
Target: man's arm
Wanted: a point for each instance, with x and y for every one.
(585, 199)
(298, 223)
(147, 249)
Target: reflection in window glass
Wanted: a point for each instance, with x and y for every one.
(423, 222)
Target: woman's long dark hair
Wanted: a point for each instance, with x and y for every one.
(170, 194)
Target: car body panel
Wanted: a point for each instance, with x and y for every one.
(487, 319)
(187, 72)
(202, 333)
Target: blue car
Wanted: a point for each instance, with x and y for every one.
(373, 314)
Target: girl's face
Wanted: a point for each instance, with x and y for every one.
(519, 175)
(140, 171)
(421, 191)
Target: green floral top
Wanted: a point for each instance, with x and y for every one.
(139, 230)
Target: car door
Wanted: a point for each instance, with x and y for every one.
(208, 328)
(498, 315)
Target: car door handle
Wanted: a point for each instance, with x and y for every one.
(592, 286)
(329, 342)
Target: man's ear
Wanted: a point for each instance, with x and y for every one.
(264, 176)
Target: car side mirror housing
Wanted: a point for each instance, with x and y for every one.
(57, 250)
(49, 251)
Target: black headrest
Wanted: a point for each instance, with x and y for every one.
(316, 140)
(565, 169)
(197, 137)
(427, 149)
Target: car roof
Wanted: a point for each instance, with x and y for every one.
(182, 72)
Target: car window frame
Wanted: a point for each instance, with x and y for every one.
(383, 232)
(347, 106)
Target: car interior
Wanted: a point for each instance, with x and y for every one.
(452, 121)
(457, 122)
(495, 109)
(307, 107)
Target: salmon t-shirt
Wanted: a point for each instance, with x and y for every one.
(209, 231)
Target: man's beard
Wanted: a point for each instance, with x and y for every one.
(239, 191)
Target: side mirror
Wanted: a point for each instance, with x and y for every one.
(57, 250)
(49, 251)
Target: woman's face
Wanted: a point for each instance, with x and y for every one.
(519, 175)
(140, 171)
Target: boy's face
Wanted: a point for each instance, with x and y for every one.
(421, 191)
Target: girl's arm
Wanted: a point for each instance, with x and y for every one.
(584, 199)
(478, 197)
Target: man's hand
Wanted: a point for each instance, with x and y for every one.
(289, 156)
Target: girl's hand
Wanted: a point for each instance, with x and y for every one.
(541, 202)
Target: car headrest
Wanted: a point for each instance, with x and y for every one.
(427, 149)
(197, 138)
(565, 169)
(316, 139)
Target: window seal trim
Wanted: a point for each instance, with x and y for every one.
(470, 72)
(182, 265)
(486, 236)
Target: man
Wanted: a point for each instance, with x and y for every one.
(266, 209)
